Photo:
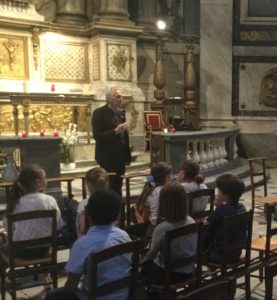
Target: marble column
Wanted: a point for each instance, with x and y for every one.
(144, 12)
(191, 13)
(71, 11)
(113, 9)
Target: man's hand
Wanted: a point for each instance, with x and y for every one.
(121, 128)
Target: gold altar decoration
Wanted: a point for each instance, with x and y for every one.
(119, 62)
(13, 57)
(96, 61)
(43, 117)
(190, 106)
(159, 74)
(66, 61)
(268, 94)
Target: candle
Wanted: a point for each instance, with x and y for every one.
(53, 88)
(173, 129)
(41, 133)
(165, 130)
(55, 133)
(23, 133)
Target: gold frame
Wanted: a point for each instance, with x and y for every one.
(96, 46)
(129, 78)
(86, 71)
(25, 63)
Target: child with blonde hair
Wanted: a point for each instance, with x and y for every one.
(96, 178)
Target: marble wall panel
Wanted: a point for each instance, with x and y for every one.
(216, 57)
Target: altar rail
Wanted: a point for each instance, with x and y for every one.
(214, 150)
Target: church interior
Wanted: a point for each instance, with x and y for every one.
(198, 78)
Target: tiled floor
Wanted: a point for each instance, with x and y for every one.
(259, 228)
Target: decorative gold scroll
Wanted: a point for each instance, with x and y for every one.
(258, 35)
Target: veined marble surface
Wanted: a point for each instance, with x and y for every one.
(216, 56)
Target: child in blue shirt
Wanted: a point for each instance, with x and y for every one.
(103, 209)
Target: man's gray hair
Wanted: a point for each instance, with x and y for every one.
(109, 93)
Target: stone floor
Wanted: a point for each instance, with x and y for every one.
(259, 228)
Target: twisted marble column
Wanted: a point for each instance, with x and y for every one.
(113, 9)
(71, 11)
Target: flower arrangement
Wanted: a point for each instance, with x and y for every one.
(69, 138)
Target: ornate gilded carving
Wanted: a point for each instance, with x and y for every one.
(134, 118)
(13, 57)
(36, 32)
(268, 94)
(258, 35)
(66, 61)
(96, 61)
(119, 62)
(40, 117)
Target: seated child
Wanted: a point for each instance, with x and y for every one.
(103, 209)
(26, 195)
(173, 210)
(146, 207)
(191, 179)
(96, 178)
(230, 189)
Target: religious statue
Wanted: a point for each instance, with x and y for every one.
(11, 47)
(47, 8)
(268, 94)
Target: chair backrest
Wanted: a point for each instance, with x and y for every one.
(223, 289)
(153, 120)
(49, 241)
(257, 175)
(130, 280)
(210, 194)
(171, 263)
(271, 230)
(232, 246)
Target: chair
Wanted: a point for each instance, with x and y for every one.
(220, 289)
(129, 280)
(200, 215)
(172, 263)
(153, 121)
(258, 178)
(234, 267)
(128, 198)
(270, 272)
(266, 245)
(15, 268)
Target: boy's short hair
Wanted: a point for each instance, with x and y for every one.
(231, 186)
(103, 207)
(173, 205)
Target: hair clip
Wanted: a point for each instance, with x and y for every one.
(150, 179)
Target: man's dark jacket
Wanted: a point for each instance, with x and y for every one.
(112, 150)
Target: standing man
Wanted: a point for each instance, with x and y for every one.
(112, 140)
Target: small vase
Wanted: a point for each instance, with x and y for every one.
(68, 167)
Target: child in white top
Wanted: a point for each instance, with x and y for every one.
(191, 179)
(147, 205)
(96, 178)
(26, 195)
(174, 213)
